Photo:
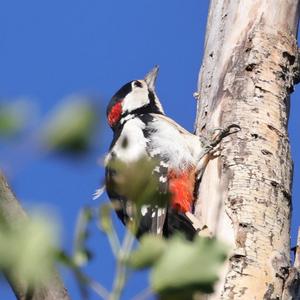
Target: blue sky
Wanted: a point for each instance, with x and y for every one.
(51, 49)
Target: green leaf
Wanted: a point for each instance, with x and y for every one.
(14, 116)
(28, 250)
(150, 250)
(137, 182)
(81, 257)
(71, 126)
(188, 266)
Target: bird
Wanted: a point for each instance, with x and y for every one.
(141, 130)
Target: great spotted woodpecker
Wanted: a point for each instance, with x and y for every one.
(137, 119)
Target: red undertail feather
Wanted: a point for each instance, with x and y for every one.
(181, 186)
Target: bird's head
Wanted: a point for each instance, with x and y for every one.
(135, 97)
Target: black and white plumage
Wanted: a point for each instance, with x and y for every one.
(137, 119)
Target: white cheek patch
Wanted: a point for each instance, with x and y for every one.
(136, 99)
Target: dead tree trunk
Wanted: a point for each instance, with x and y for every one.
(249, 68)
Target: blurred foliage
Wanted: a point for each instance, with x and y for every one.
(81, 253)
(187, 267)
(105, 219)
(28, 249)
(180, 267)
(71, 126)
(15, 116)
(135, 181)
(150, 250)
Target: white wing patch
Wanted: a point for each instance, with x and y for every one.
(193, 143)
(156, 169)
(170, 144)
(144, 210)
(158, 219)
(158, 212)
(157, 215)
(162, 179)
(163, 164)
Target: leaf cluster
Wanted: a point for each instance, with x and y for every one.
(136, 181)
(178, 266)
(28, 249)
(14, 117)
(69, 128)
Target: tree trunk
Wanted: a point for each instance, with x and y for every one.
(12, 211)
(249, 68)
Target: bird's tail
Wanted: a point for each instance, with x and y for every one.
(152, 220)
(185, 223)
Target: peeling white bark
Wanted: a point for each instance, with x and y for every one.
(297, 252)
(291, 289)
(249, 68)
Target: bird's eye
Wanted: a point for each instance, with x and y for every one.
(138, 84)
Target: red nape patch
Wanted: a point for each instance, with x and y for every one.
(181, 186)
(115, 114)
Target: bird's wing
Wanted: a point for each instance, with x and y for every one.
(173, 123)
(152, 220)
(169, 144)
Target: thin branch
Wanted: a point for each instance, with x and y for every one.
(112, 238)
(144, 295)
(114, 241)
(98, 289)
(11, 210)
(121, 271)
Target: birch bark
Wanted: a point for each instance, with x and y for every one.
(249, 68)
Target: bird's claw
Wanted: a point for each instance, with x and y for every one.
(215, 151)
(223, 133)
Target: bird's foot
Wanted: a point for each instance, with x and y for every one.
(219, 133)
